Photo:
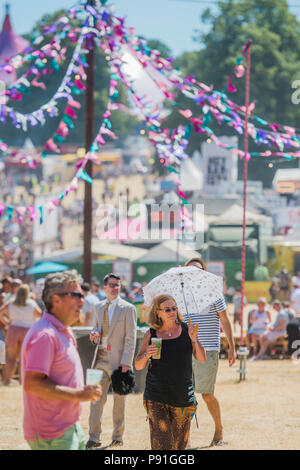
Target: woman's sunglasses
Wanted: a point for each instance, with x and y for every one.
(169, 309)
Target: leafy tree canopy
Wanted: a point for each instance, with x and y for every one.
(275, 64)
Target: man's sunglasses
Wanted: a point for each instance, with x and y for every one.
(168, 310)
(74, 294)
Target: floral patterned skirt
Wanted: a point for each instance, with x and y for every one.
(169, 425)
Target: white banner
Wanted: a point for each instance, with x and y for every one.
(287, 217)
(219, 166)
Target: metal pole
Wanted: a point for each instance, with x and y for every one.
(89, 133)
(245, 175)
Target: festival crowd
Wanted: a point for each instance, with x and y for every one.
(36, 328)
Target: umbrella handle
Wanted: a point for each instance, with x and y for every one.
(182, 287)
(95, 356)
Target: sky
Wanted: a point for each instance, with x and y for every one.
(171, 21)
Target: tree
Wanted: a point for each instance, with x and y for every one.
(275, 33)
(122, 123)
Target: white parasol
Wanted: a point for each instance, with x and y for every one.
(192, 288)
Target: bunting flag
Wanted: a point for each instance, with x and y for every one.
(109, 32)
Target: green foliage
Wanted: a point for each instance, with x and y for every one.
(275, 64)
(122, 123)
(164, 50)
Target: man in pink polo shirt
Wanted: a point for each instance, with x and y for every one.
(52, 375)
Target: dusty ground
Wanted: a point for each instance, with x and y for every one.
(261, 413)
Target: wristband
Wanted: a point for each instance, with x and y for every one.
(194, 342)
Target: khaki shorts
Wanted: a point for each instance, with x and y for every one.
(205, 373)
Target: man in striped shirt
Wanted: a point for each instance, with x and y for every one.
(209, 336)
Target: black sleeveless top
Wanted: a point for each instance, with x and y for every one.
(170, 379)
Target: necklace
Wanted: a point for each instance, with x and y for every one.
(169, 334)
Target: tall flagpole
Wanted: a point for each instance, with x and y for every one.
(247, 54)
(89, 131)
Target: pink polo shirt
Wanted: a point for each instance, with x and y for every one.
(50, 348)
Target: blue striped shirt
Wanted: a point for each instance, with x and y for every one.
(209, 325)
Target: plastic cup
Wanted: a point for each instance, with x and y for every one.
(157, 342)
(93, 376)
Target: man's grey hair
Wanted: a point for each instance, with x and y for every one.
(57, 283)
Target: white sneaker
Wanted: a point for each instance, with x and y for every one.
(253, 358)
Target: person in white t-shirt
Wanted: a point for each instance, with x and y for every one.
(295, 299)
(89, 306)
(22, 313)
(205, 374)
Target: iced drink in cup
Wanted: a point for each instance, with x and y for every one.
(157, 342)
(93, 376)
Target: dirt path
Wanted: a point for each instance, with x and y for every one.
(261, 413)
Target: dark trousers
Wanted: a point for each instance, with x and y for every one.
(293, 331)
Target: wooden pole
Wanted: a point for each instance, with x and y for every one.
(245, 176)
(89, 134)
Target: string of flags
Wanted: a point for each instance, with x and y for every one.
(109, 32)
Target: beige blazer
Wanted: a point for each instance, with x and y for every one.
(122, 333)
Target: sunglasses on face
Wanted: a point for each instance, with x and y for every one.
(75, 295)
(169, 309)
(113, 285)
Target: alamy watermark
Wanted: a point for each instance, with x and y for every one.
(3, 98)
(295, 98)
(296, 353)
(139, 221)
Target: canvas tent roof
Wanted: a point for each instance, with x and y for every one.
(167, 252)
(99, 247)
(234, 216)
(10, 45)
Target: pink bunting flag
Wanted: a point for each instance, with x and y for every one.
(74, 104)
(274, 127)
(100, 139)
(229, 84)
(63, 129)
(39, 84)
(108, 132)
(3, 146)
(239, 70)
(32, 164)
(32, 213)
(181, 194)
(79, 85)
(55, 201)
(21, 212)
(74, 184)
(70, 112)
(2, 209)
(206, 88)
(91, 156)
(50, 145)
(187, 113)
(162, 86)
(290, 130)
(169, 95)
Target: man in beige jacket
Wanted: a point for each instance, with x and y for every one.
(116, 334)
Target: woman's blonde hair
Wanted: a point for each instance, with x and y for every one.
(22, 296)
(153, 320)
(197, 260)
